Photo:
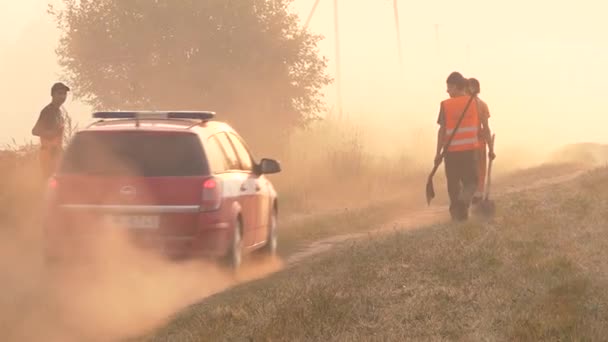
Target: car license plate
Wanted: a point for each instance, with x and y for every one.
(134, 221)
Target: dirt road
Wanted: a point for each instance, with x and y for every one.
(419, 218)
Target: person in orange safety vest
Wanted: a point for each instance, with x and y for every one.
(50, 128)
(461, 158)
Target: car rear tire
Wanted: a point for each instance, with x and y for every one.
(270, 248)
(234, 259)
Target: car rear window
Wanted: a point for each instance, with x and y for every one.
(148, 154)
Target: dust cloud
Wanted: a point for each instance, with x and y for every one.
(534, 85)
(116, 292)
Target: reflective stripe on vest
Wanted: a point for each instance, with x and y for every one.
(463, 130)
(467, 135)
(461, 142)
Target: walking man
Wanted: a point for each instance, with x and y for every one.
(461, 157)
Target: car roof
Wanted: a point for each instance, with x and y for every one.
(158, 125)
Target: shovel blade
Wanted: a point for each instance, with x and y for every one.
(487, 208)
(430, 191)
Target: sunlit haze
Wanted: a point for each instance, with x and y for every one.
(541, 65)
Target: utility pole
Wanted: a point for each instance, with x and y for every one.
(338, 71)
(337, 51)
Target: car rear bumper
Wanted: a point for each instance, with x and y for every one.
(210, 242)
(77, 233)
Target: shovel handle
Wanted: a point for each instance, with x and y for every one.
(435, 168)
(489, 176)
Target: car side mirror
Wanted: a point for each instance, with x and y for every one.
(269, 166)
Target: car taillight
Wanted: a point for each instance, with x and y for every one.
(212, 195)
(51, 189)
(52, 183)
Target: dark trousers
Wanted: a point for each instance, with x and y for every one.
(49, 158)
(461, 169)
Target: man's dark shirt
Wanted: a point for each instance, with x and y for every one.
(49, 121)
(441, 116)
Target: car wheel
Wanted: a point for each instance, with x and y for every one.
(271, 241)
(235, 254)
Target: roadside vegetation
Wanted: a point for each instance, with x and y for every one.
(537, 272)
(330, 174)
(332, 183)
(326, 167)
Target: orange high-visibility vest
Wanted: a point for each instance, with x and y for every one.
(467, 135)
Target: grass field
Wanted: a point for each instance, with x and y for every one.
(538, 272)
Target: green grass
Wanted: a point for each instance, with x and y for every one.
(537, 272)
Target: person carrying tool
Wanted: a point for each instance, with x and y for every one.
(485, 145)
(458, 141)
(50, 128)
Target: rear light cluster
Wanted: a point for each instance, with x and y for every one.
(52, 184)
(212, 195)
(51, 190)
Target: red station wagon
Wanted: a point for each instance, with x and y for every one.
(177, 182)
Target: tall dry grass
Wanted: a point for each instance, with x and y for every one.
(20, 183)
(332, 164)
(336, 163)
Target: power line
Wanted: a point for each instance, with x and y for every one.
(337, 45)
(337, 51)
(398, 31)
(312, 12)
(437, 38)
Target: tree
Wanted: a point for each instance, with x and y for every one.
(248, 60)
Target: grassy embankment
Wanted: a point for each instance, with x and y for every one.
(538, 272)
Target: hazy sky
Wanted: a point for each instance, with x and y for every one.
(540, 63)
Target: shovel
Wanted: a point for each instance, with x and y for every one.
(430, 190)
(487, 207)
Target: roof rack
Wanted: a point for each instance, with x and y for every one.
(142, 115)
